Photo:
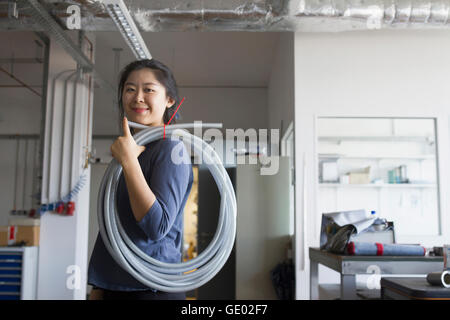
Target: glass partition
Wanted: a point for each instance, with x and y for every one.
(387, 165)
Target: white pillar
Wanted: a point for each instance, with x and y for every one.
(68, 133)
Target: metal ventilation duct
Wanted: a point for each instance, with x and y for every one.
(258, 15)
(202, 15)
(379, 13)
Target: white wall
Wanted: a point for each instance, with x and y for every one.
(234, 107)
(282, 84)
(382, 73)
(262, 228)
(223, 75)
(64, 239)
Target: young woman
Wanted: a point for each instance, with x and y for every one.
(152, 190)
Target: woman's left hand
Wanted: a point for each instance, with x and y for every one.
(125, 148)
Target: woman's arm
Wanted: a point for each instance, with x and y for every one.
(170, 182)
(141, 196)
(155, 210)
(126, 152)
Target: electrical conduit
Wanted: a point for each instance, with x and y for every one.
(169, 277)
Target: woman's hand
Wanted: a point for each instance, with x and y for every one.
(125, 148)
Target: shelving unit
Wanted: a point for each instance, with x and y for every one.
(378, 138)
(387, 157)
(375, 185)
(378, 159)
(402, 183)
(18, 273)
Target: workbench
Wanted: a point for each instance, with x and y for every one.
(412, 289)
(350, 266)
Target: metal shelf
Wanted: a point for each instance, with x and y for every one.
(377, 138)
(373, 185)
(418, 157)
(18, 273)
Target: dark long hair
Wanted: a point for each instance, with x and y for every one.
(163, 74)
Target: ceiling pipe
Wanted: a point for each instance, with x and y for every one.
(283, 15)
(387, 11)
(257, 15)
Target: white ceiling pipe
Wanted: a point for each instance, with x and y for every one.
(387, 11)
(260, 15)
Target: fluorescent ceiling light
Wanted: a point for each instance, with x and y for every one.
(122, 18)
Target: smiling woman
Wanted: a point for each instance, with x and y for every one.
(148, 93)
(152, 191)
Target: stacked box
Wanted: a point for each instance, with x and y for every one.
(11, 235)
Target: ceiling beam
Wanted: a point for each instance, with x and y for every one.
(54, 30)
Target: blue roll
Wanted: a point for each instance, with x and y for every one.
(378, 249)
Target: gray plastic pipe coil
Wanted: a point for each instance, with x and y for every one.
(169, 277)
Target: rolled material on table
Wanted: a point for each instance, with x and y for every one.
(379, 249)
(439, 278)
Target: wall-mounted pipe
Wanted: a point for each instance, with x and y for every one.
(33, 177)
(23, 84)
(48, 136)
(25, 162)
(89, 119)
(66, 155)
(16, 174)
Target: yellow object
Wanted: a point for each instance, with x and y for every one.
(360, 177)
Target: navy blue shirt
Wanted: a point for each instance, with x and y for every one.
(167, 169)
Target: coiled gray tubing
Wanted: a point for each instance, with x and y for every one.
(163, 276)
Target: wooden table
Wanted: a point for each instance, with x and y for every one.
(350, 266)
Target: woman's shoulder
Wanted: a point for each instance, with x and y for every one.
(163, 149)
(167, 144)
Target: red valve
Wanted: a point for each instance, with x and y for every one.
(70, 208)
(60, 207)
(32, 213)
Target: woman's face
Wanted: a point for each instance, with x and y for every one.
(144, 98)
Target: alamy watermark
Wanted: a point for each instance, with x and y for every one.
(373, 281)
(73, 281)
(74, 20)
(249, 147)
